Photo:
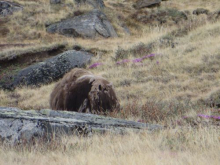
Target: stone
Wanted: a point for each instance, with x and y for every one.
(8, 8)
(146, 3)
(52, 69)
(30, 126)
(55, 1)
(82, 91)
(200, 11)
(96, 4)
(89, 25)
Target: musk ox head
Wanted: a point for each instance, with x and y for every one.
(82, 91)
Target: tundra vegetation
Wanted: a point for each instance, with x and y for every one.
(164, 65)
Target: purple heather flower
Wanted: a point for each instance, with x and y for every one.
(95, 65)
(204, 116)
(157, 62)
(137, 60)
(148, 56)
(208, 117)
(216, 117)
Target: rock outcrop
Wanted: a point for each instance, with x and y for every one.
(52, 69)
(55, 1)
(8, 8)
(96, 4)
(89, 25)
(23, 127)
(146, 3)
(82, 91)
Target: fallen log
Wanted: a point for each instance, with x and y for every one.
(21, 126)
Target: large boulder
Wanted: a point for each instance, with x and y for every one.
(97, 4)
(82, 91)
(8, 8)
(146, 3)
(52, 69)
(23, 127)
(89, 25)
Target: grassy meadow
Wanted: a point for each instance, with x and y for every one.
(170, 88)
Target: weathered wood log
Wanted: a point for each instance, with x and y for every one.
(18, 126)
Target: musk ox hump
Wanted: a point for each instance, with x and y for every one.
(74, 74)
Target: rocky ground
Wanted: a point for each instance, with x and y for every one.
(161, 56)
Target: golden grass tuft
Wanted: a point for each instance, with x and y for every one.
(162, 90)
(172, 146)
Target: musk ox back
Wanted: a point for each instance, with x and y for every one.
(82, 91)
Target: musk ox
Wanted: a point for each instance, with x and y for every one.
(81, 91)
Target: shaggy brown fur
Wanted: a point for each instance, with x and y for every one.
(82, 91)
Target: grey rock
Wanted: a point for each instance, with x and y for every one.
(8, 8)
(89, 25)
(200, 11)
(55, 1)
(146, 3)
(97, 4)
(18, 126)
(52, 69)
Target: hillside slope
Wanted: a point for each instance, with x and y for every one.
(184, 67)
(164, 64)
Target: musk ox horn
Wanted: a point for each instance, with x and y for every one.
(82, 91)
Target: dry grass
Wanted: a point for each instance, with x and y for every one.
(171, 146)
(189, 72)
(12, 53)
(161, 90)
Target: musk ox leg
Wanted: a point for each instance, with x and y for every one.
(85, 107)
